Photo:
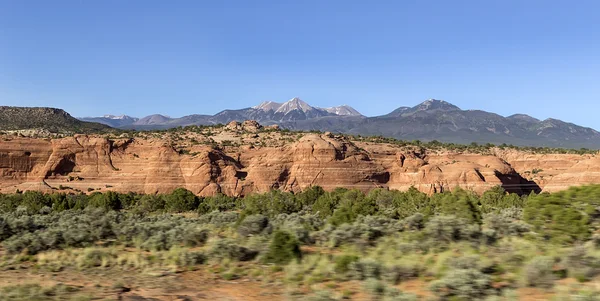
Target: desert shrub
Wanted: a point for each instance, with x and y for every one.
(397, 273)
(460, 203)
(181, 200)
(227, 248)
(219, 219)
(94, 258)
(364, 231)
(465, 262)
(374, 286)
(463, 284)
(342, 263)
(412, 202)
(34, 201)
(414, 222)
(300, 224)
(538, 272)
(580, 265)
(189, 258)
(365, 269)
(450, 228)
(219, 202)
(35, 292)
(321, 295)
(270, 204)
(504, 223)
(29, 243)
(384, 200)
(352, 204)
(573, 212)
(496, 199)
(393, 294)
(150, 203)
(284, 248)
(380, 291)
(194, 236)
(108, 201)
(309, 196)
(326, 203)
(253, 225)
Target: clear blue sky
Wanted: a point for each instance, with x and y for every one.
(182, 57)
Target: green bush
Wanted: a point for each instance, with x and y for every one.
(227, 248)
(564, 217)
(181, 200)
(253, 225)
(446, 229)
(108, 201)
(219, 202)
(283, 249)
(365, 269)
(463, 284)
(150, 203)
(342, 263)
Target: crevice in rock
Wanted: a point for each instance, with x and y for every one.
(478, 173)
(380, 177)
(64, 166)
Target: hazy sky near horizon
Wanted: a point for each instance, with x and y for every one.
(178, 58)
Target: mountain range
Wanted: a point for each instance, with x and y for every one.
(430, 120)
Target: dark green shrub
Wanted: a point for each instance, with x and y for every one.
(190, 258)
(227, 248)
(34, 201)
(284, 248)
(253, 225)
(194, 236)
(496, 199)
(412, 202)
(564, 217)
(309, 196)
(460, 203)
(219, 202)
(108, 201)
(270, 204)
(326, 204)
(342, 263)
(181, 200)
(150, 203)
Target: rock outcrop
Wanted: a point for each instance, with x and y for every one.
(153, 165)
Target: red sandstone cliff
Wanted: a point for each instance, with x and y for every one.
(151, 165)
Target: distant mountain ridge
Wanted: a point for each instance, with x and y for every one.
(430, 120)
(50, 119)
(268, 112)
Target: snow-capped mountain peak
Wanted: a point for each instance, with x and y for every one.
(343, 110)
(294, 104)
(268, 106)
(117, 117)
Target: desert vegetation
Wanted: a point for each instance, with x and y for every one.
(342, 244)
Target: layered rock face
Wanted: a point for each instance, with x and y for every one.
(90, 163)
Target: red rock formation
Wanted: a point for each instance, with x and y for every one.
(154, 166)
